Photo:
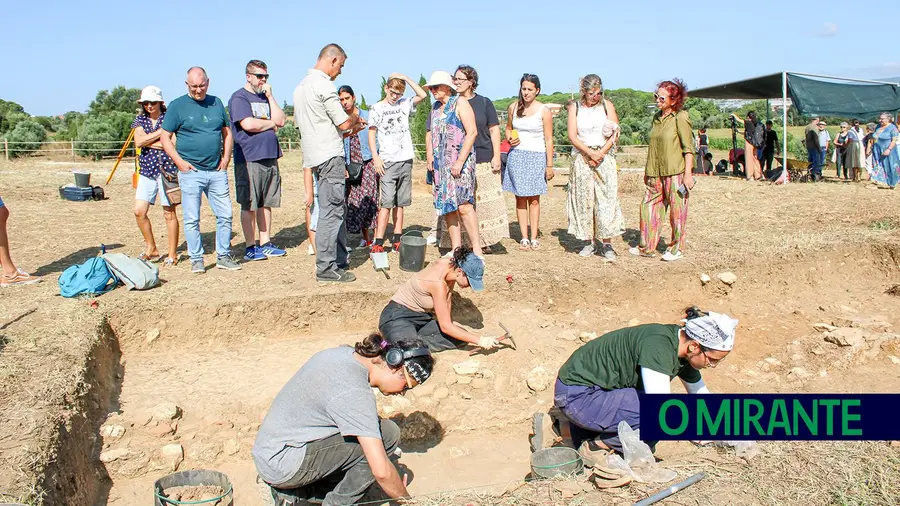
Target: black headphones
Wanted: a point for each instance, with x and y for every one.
(395, 356)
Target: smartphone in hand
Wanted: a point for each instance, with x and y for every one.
(683, 191)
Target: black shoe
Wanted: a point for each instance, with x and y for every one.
(339, 276)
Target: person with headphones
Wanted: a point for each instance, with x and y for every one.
(420, 309)
(322, 432)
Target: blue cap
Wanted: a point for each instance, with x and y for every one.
(474, 269)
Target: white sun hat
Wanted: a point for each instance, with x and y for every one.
(439, 77)
(151, 94)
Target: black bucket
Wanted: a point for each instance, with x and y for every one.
(412, 251)
(193, 478)
(82, 179)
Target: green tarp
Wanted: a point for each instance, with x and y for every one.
(831, 97)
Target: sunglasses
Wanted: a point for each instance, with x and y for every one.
(659, 97)
(261, 76)
(152, 103)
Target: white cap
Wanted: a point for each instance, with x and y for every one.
(714, 331)
(440, 77)
(151, 94)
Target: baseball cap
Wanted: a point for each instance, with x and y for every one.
(474, 269)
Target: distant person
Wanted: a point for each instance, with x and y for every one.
(393, 155)
(859, 163)
(421, 308)
(754, 140)
(154, 165)
(824, 144)
(493, 223)
(255, 116)
(362, 196)
(322, 122)
(311, 189)
(592, 205)
(529, 130)
(668, 175)
(323, 431)
(202, 157)
(813, 152)
(702, 143)
(771, 147)
(884, 150)
(451, 137)
(868, 142)
(707, 164)
(11, 275)
(840, 150)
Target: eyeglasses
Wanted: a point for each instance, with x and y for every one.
(395, 93)
(709, 362)
(260, 76)
(460, 79)
(659, 97)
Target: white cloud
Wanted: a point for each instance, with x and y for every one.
(828, 29)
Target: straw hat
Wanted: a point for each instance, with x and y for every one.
(440, 77)
(151, 94)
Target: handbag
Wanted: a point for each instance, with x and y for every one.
(354, 173)
(170, 185)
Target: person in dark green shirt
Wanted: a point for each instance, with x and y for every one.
(598, 387)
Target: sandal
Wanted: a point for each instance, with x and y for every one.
(19, 278)
(145, 256)
(170, 262)
(525, 245)
(535, 244)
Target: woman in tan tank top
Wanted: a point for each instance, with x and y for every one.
(421, 307)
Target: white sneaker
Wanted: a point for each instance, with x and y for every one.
(669, 257)
(431, 240)
(310, 250)
(587, 250)
(635, 251)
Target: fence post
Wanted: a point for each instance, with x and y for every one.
(73, 149)
(289, 144)
(6, 148)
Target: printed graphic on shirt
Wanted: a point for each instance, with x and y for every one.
(260, 110)
(391, 123)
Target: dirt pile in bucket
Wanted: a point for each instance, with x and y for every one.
(197, 493)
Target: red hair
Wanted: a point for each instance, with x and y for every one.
(677, 92)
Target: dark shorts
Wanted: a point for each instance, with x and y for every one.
(257, 184)
(396, 185)
(399, 322)
(595, 413)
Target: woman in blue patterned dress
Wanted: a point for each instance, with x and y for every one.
(155, 165)
(885, 156)
(452, 159)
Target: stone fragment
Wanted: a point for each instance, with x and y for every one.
(894, 360)
(798, 372)
(538, 379)
(729, 278)
(113, 455)
(467, 368)
(112, 431)
(466, 395)
(152, 335)
(451, 380)
(163, 429)
(205, 452)
(846, 336)
(464, 380)
(172, 456)
(479, 383)
(587, 336)
(824, 327)
(425, 390)
(441, 393)
(401, 403)
(568, 489)
(165, 412)
(567, 335)
(704, 279)
(231, 446)
(633, 322)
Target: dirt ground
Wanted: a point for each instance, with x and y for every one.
(85, 384)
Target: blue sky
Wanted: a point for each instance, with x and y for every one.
(60, 53)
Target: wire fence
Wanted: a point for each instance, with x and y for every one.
(628, 156)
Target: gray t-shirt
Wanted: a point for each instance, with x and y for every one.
(329, 395)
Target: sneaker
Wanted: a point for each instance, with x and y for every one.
(309, 250)
(431, 240)
(19, 278)
(363, 244)
(669, 257)
(227, 263)
(587, 250)
(377, 248)
(270, 250)
(636, 251)
(608, 253)
(339, 276)
(254, 253)
(197, 267)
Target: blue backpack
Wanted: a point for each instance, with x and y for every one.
(92, 277)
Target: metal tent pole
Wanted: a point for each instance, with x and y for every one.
(784, 141)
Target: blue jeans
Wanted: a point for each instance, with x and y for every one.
(214, 184)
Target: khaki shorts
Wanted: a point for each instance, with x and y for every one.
(257, 184)
(396, 185)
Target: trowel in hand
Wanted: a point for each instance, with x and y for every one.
(380, 262)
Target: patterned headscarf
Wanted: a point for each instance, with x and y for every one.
(417, 372)
(714, 331)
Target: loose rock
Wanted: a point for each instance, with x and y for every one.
(587, 336)
(113, 455)
(464, 380)
(729, 278)
(231, 446)
(824, 327)
(567, 335)
(425, 390)
(205, 452)
(152, 335)
(704, 279)
(467, 368)
(846, 336)
(568, 489)
(538, 379)
(165, 412)
(798, 372)
(172, 456)
(466, 395)
(112, 431)
(441, 393)
(479, 383)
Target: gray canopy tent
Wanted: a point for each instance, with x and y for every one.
(812, 94)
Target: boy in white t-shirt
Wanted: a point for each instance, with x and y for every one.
(393, 160)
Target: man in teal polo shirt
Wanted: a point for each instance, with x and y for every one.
(202, 157)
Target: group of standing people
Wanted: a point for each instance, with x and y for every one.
(856, 150)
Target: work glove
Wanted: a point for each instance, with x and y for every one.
(487, 342)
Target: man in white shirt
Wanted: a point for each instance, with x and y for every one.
(393, 160)
(322, 121)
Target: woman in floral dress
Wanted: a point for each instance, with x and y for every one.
(449, 144)
(362, 201)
